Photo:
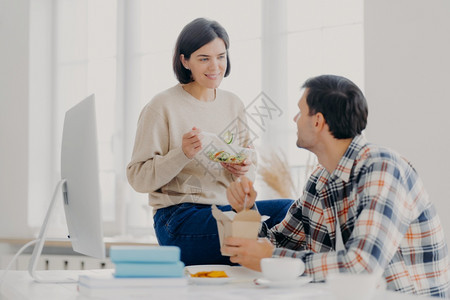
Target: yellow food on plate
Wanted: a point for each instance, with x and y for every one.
(210, 274)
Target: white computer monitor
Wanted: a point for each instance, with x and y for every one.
(79, 186)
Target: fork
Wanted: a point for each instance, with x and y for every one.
(245, 201)
(245, 198)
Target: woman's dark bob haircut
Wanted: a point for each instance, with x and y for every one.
(194, 36)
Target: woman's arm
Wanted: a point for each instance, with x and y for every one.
(152, 164)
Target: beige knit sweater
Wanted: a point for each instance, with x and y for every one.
(158, 165)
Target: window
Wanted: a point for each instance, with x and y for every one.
(323, 37)
(83, 47)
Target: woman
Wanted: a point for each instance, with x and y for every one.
(169, 160)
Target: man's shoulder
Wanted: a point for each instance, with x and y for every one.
(375, 152)
(373, 157)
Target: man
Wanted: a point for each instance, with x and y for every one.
(373, 195)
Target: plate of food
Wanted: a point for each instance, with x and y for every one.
(208, 274)
(224, 150)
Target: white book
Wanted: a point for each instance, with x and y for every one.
(107, 280)
(128, 292)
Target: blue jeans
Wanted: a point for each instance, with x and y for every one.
(192, 227)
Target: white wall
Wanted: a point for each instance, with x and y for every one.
(407, 77)
(14, 57)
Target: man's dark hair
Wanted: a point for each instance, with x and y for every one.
(340, 101)
(195, 35)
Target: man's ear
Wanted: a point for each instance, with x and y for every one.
(319, 121)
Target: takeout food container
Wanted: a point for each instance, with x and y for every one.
(245, 224)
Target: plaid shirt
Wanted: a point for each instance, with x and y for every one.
(386, 219)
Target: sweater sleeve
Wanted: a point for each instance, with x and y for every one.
(152, 164)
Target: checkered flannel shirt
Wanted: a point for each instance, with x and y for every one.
(386, 219)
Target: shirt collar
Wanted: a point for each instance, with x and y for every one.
(345, 165)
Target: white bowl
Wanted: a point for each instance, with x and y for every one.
(282, 268)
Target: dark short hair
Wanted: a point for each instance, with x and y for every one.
(340, 101)
(195, 35)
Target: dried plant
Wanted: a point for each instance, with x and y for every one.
(275, 171)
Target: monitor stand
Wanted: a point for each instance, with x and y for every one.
(37, 251)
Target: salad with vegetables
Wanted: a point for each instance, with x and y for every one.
(226, 157)
(223, 149)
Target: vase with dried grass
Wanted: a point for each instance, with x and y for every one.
(275, 171)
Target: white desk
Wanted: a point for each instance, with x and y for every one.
(19, 285)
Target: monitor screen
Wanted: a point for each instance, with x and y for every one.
(79, 186)
(79, 167)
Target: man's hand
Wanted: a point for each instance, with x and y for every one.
(237, 170)
(248, 252)
(236, 194)
(191, 143)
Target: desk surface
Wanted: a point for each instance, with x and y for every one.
(19, 285)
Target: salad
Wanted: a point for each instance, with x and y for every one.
(226, 157)
(223, 150)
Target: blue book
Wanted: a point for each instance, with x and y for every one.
(175, 269)
(159, 254)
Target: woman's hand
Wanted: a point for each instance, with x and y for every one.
(191, 143)
(241, 191)
(237, 170)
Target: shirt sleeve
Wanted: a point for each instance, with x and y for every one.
(384, 212)
(289, 234)
(152, 164)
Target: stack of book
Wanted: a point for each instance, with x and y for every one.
(146, 261)
(139, 271)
